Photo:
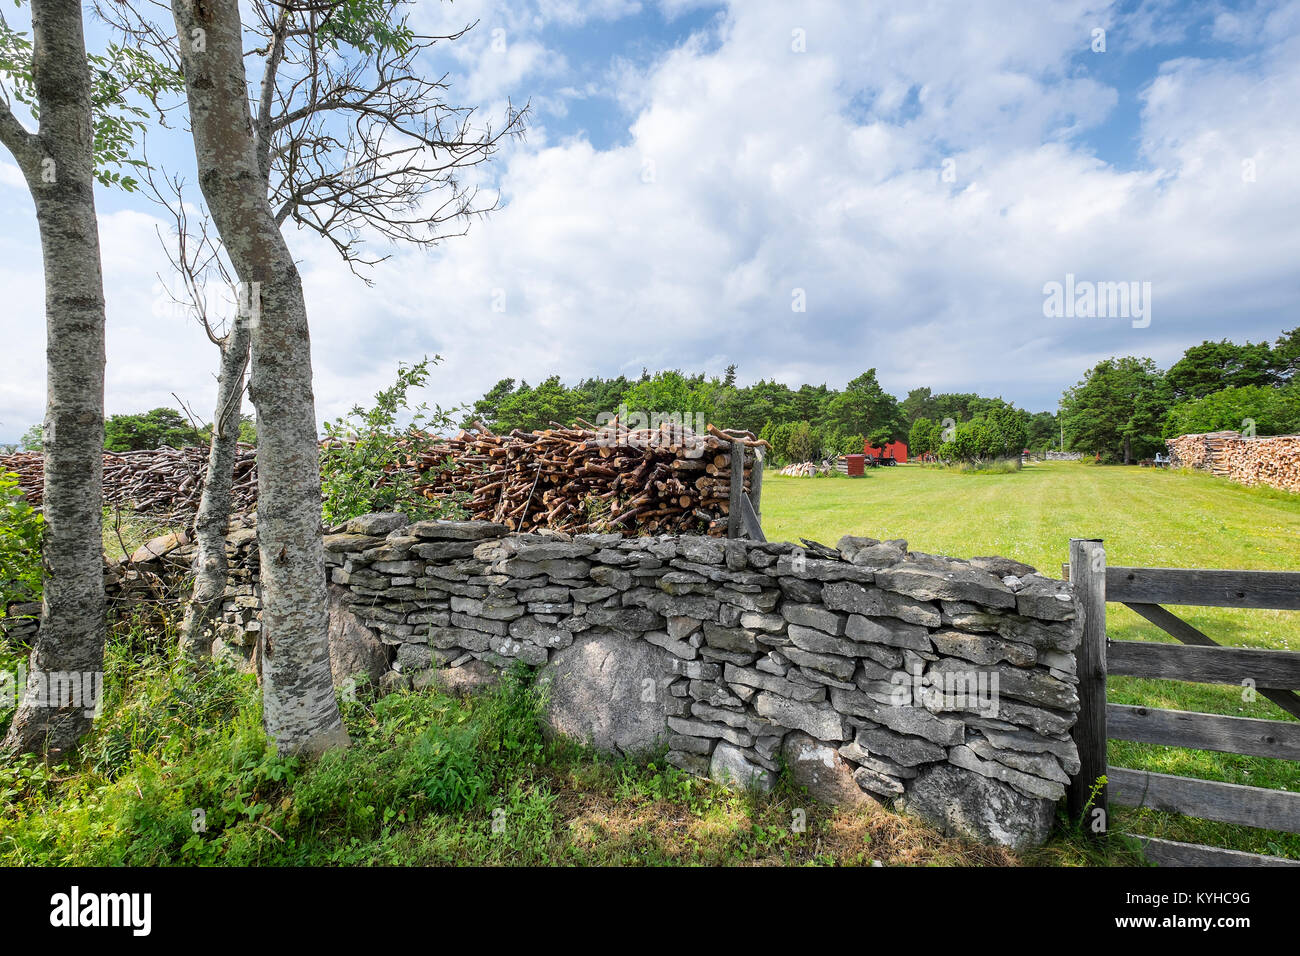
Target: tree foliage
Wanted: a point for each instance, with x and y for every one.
(151, 429)
(1265, 411)
(21, 531)
(1117, 409)
(359, 463)
(124, 78)
(1212, 366)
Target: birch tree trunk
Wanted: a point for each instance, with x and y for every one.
(66, 665)
(213, 519)
(300, 711)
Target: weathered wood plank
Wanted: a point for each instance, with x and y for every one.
(1173, 853)
(1207, 799)
(753, 530)
(1175, 626)
(1182, 728)
(1088, 577)
(735, 517)
(1211, 588)
(756, 484)
(1204, 665)
(1172, 624)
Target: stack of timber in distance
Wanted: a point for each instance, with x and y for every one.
(166, 482)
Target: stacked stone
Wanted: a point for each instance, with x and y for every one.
(421, 589)
(850, 645)
(241, 604)
(945, 686)
(21, 622)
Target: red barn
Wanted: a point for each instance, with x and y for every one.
(897, 450)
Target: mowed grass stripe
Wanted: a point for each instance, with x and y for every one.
(1147, 517)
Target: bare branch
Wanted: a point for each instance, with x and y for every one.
(24, 145)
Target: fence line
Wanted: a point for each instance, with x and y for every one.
(1198, 658)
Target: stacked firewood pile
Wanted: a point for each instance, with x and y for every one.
(611, 479)
(166, 482)
(1272, 461)
(806, 469)
(1201, 452)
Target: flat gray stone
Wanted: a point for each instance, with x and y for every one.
(873, 602)
(355, 650)
(377, 523)
(610, 691)
(954, 584)
(458, 530)
(820, 722)
(963, 803)
(905, 718)
(905, 750)
(1027, 784)
(982, 648)
(820, 769)
(731, 767)
(889, 632)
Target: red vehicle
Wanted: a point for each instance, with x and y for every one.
(894, 453)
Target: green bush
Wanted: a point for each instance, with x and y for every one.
(22, 528)
(151, 429)
(362, 463)
(925, 436)
(1274, 411)
(179, 771)
(998, 435)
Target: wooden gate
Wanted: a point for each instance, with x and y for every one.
(1273, 674)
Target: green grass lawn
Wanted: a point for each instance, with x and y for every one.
(427, 777)
(1146, 517)
(179, 772)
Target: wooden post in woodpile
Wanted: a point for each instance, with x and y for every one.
(1088, 578)
(735, 516)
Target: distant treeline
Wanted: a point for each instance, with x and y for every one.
(133, 431)
(806, 423)
(1123, 409)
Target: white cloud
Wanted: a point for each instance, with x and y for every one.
(11, 176)
(750, 170)
(767, 178)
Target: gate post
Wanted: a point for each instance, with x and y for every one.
(736, 517)
(1088, 577)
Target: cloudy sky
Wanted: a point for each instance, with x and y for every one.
(912, 173)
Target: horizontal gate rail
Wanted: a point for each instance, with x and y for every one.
(1207, 799)
(1276, 590)
(1183, 728)
(1175, 626)
(1173, 853)
(1277, 670)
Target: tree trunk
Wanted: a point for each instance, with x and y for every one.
(1128, 453)
(66, 666)
(299, 707)
(213, 519)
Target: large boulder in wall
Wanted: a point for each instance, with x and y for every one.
(470, 678)
(355, 649)
(826, 775)
(609, 691)
(961, 803)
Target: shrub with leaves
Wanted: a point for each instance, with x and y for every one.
(21, 529)
(362, 464)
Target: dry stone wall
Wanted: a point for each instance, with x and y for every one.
(944, 687)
